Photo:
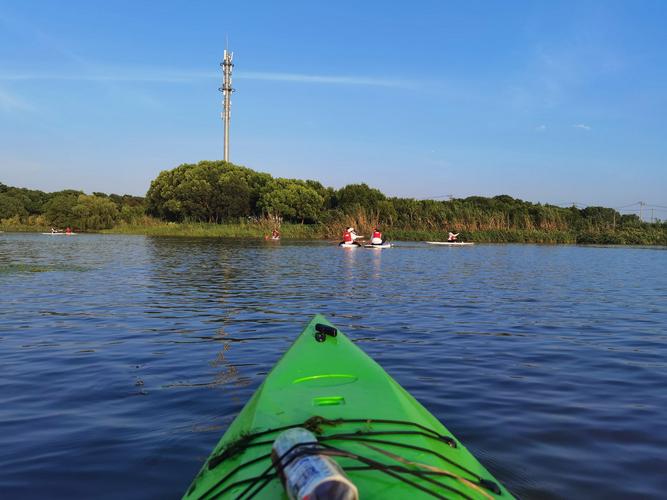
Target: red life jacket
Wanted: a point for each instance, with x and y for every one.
(377, 234)
(347, 237)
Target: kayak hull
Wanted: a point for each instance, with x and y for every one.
(384, 245)
(334, 389)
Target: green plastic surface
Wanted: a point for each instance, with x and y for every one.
(335, 379)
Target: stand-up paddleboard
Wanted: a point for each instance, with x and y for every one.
(451, 243)
(384, 245)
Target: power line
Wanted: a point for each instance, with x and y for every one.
(630, 205)
(568, 204)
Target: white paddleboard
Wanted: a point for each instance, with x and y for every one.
(384, 245)
(450, 243)
(61, 234)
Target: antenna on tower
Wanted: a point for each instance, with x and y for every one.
(226, 90)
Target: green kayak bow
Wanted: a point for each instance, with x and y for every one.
(387, 443)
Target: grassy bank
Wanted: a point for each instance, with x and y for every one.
(627, 236)
(491, 236)
(23, 228)
(154, 227)
(201, 229)
(647, 235)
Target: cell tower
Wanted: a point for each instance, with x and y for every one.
(226, 90)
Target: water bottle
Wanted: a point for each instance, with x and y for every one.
(309, 477)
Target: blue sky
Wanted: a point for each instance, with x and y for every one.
(547, 101)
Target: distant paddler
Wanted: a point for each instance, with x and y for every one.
(452, 237)
(275, 235)
(350, 237)
(376, 238)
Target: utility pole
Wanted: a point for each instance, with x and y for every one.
(641, 206)
(226, 90)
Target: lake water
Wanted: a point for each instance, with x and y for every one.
(123, 358)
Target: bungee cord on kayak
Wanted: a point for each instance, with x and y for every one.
(315, 424)
(261, 481)
(257, 483)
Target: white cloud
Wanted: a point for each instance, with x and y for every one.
(108, 76)
(582, 126)
(541, 128)
(326, 79)
(169, 76)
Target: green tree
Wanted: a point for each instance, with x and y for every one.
(161, 199)
(235, 195)
(292, 199)
(94, 212)
(131, 214)
(208, 191)
(11, 206)
(359, 196)
(328, 194)
(59, 209)
(601, 217)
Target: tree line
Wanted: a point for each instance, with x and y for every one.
(34, 208)
(223, 193)
(218, 192)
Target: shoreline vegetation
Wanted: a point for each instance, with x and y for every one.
(317, 232)
(291, 231)
(220, 199)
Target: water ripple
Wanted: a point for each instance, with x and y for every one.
(547, 362)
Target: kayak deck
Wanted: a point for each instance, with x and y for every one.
(392, 446)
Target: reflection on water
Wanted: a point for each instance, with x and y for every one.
(377, 264)
(548, 362)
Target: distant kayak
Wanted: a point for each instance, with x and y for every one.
(388, 445)
(451, 243)
(349, 245)
(384, 245)
(61, 234)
